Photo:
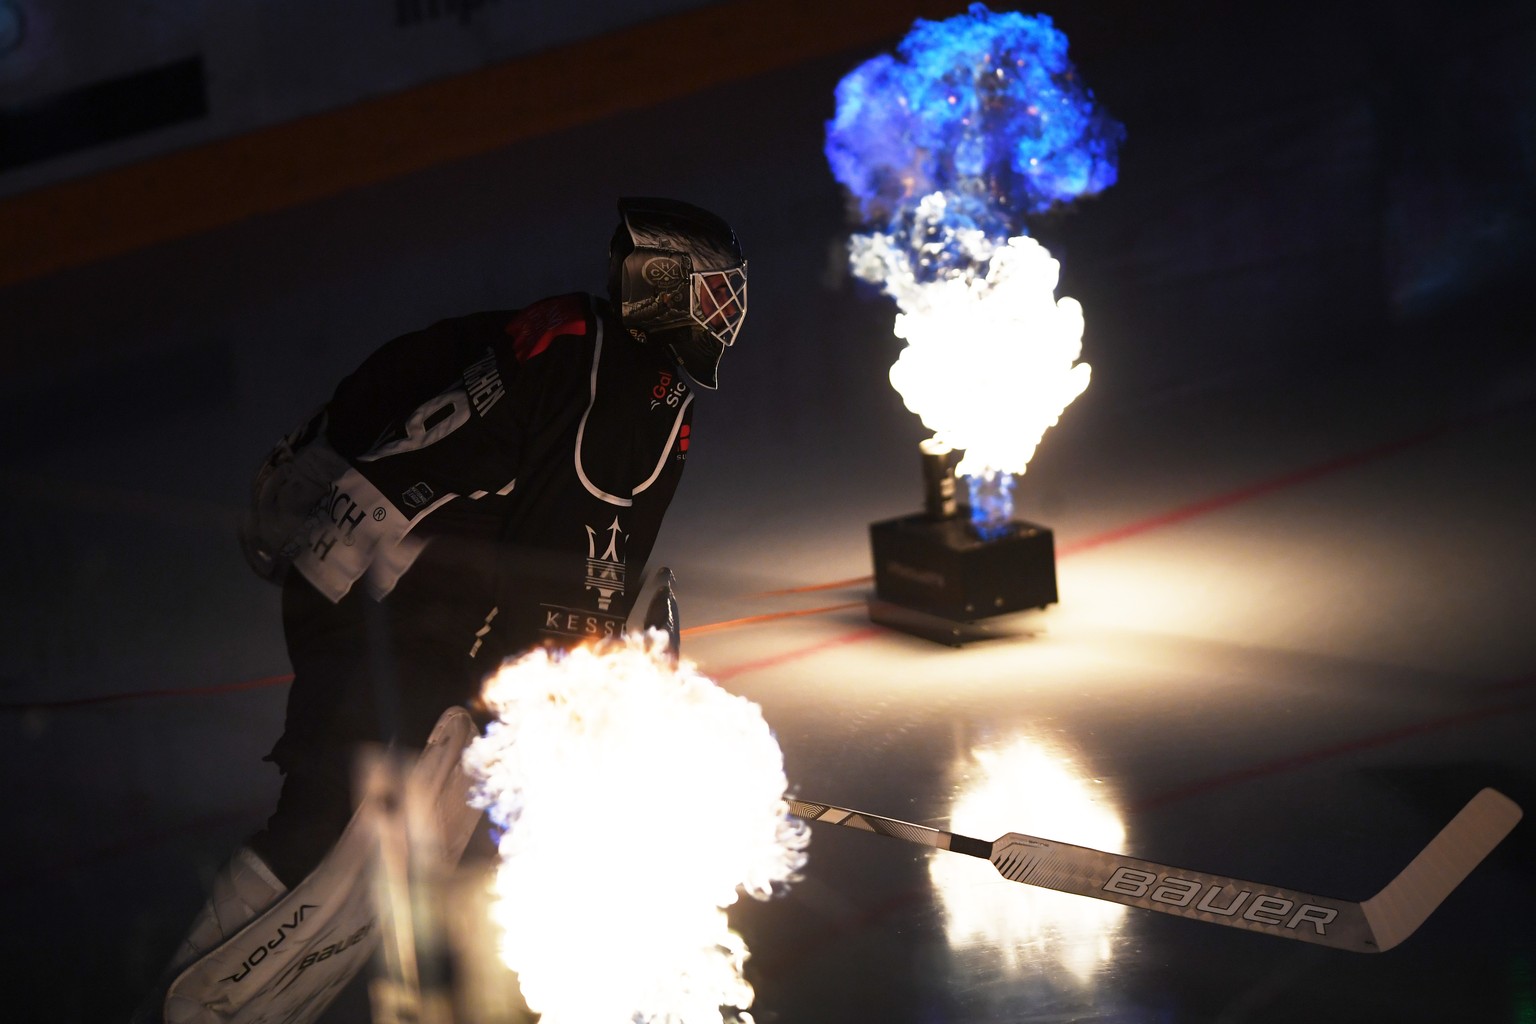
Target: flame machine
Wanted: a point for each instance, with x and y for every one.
(976, 123)
(941, 572)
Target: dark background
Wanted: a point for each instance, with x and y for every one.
(1307, 192)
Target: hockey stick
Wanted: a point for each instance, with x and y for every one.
(1375, 925)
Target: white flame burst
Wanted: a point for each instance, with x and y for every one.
(637, 800)
(991, 356)
(1027, 787)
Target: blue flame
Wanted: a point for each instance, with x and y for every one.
(984, 107)
(991, 503)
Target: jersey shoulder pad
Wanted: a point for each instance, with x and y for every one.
(533, 329)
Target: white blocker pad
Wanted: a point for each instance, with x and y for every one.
(288, 964)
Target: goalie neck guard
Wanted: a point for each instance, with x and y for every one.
(678, 279)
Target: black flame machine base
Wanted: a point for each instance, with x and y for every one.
(935, 578)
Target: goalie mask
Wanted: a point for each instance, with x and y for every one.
(678, 280)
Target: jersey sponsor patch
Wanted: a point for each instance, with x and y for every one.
(668, 390)
(534, 328)
(607, 471)
(354, 530)
(564, 623)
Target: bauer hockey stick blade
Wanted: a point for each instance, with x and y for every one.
(1372, 926)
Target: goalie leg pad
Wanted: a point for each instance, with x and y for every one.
(244, 888)
(291, 961)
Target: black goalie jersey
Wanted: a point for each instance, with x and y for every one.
(502, 477)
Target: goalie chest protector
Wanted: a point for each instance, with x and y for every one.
(523, 501)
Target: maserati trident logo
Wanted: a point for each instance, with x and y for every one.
(605, 572)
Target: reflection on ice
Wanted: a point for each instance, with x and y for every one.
(1015, 930)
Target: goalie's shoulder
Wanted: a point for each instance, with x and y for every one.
(559, 323)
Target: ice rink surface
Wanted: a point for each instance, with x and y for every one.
(1274, 685)
(1284, 651)
(1296, 627)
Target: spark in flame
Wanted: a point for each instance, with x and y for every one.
(635, 800)
(1027, 787)
(977, 122)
